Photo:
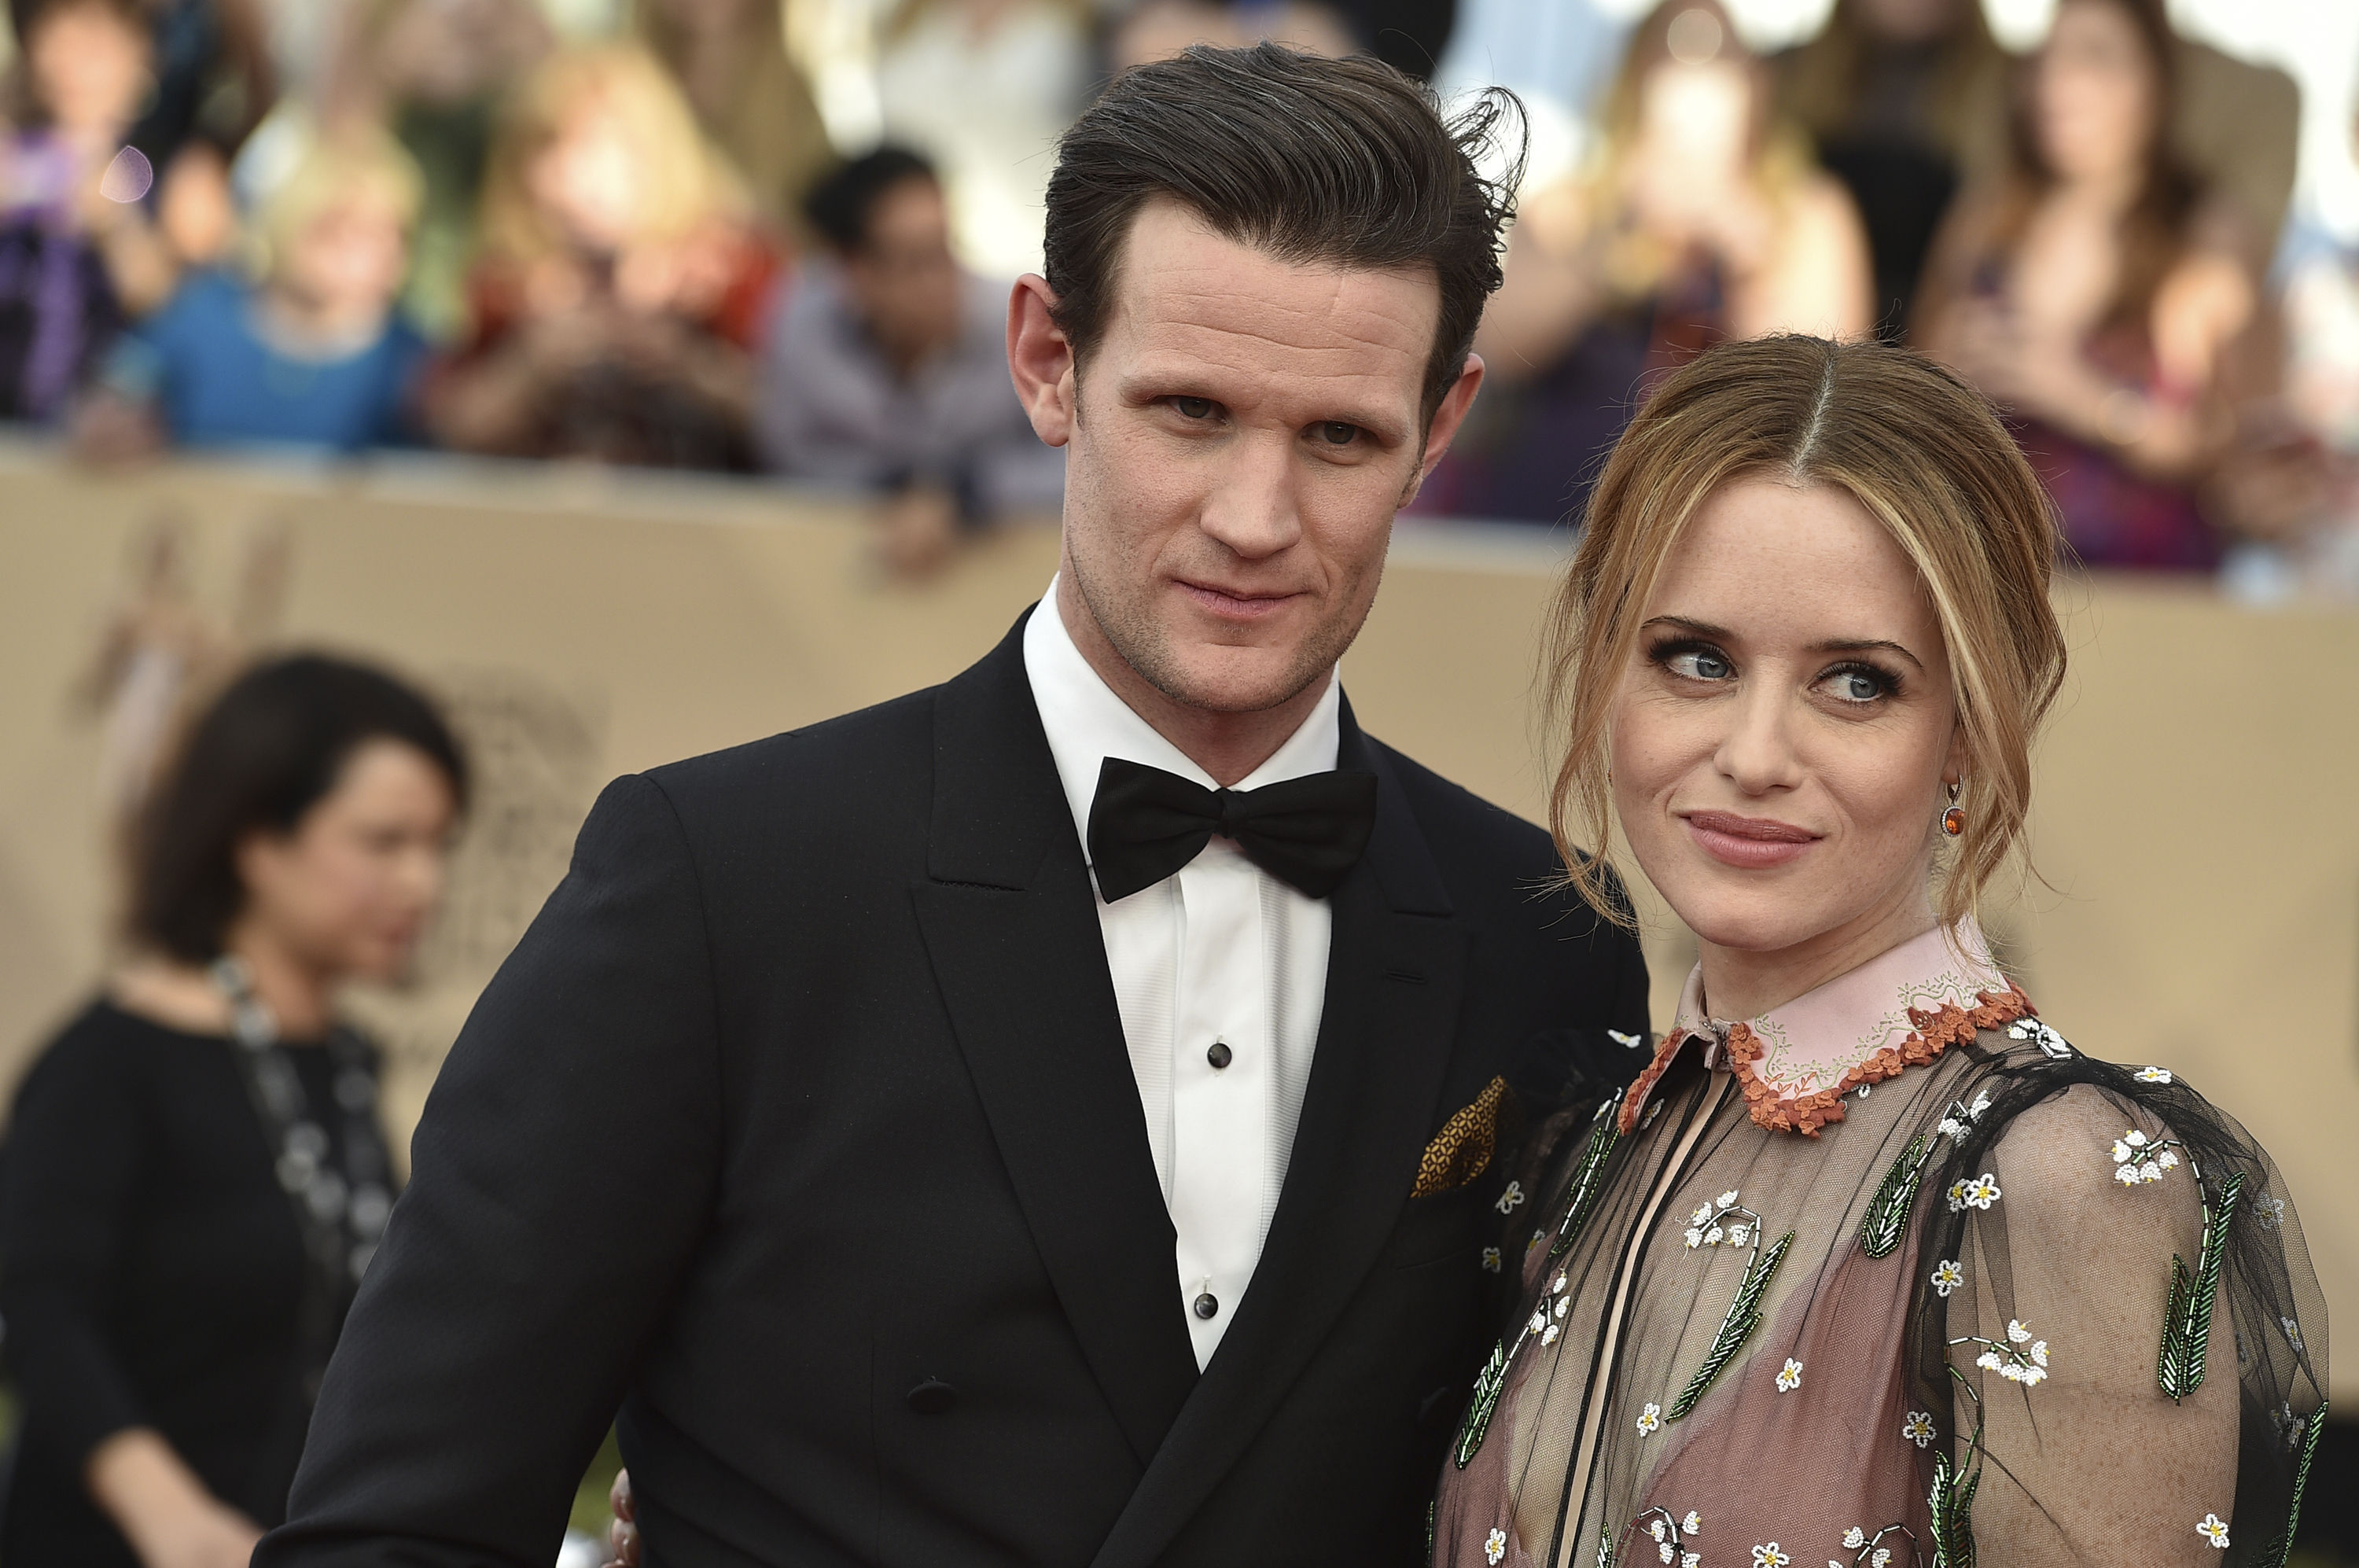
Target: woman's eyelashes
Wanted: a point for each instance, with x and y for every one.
(1691, 660)
(1858, 683)
(1854, 683)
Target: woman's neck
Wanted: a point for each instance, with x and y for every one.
(1740, 983)
(185, 996)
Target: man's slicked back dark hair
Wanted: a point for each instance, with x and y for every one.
(1340, 161)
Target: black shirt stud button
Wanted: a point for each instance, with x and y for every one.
(1219, 1056)
(1208, 1306)
(932, 1397)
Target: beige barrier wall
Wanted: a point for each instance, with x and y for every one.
(2194, 815)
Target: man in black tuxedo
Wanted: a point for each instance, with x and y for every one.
(968, 1131)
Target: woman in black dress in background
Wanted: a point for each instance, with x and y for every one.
(195, 1175)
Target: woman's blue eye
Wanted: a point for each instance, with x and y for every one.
(1193, 408)
(1856, 686)
(1698, 664)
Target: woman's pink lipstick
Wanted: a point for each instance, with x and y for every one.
(1751, 843)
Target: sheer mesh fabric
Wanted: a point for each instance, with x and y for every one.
(1981, 1380)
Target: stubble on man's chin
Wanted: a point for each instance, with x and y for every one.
(1142, 642)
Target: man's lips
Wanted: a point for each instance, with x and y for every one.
(1235, 604)
(1750, 842)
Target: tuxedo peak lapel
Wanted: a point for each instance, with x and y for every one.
(1010, 925)
(1395, 970)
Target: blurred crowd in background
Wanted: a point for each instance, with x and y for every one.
(761, 237)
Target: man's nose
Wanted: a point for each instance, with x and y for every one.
(1254, 507)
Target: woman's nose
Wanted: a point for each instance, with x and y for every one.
(1758, 753)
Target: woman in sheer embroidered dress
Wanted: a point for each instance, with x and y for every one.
(1869, 1266)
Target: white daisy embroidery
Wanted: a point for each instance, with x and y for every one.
(1980, 1193)
(1549, 1335)
(1511, 1198)
(1738, 1235)
(1883, 1555)
(1632, 1041)
(1690, 1525)
(1695, 1236)
(1770, 1556)
(1854, 1537)
(2269, 1212)
(1491, 1263)
(1918, 1428)
(1649, 1420)
(2050, 1044)
(2293, 1334)
(1494, 1546)
(1727, 1200)
(1947, 1277)
(2153, 1074)
(2213, 1528)
(1790, 1376)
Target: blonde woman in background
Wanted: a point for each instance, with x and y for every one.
(1700, 218)
(1869, 1265)
(730, 59)
(313, 352)
(621, 282)
(984, 88)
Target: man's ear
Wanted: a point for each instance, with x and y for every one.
(1446, 416)
(1040, 360)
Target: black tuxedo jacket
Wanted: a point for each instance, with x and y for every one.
(800, 1127)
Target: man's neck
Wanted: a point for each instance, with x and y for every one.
(1226, 745)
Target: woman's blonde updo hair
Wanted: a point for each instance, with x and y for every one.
(1927, 456)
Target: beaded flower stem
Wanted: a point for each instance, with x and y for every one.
(1583, 1189)
(2281, 1550)
(1950, 1501)
(1744, 1311)
(1895, 1199)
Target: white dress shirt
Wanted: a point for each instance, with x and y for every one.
(1221, 953)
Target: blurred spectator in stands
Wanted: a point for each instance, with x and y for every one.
(313, 354)
(621, 284)
(436, 71)
(1557, 56)
(1904, 99)
(1158, 29)
(78, 248)
(196, 1175)
(730, 59)
(2290, 487)
(212, 79)
(1410, 35)
(2236, 126)
(2095, 292)
(887, 369)
(1700, 217)
(984, 88)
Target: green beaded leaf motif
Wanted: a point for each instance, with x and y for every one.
(1886, 1220)
(2187, 1312)
(1488, 1386)
(1743, 1317)
(1950, 1504)
(2277, 1551)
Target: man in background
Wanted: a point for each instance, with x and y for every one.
(887, 368)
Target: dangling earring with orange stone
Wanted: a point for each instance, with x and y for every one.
(1954, 820)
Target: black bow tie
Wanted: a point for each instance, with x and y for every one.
(1307, 832)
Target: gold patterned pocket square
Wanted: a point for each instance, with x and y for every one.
(1462, 1150)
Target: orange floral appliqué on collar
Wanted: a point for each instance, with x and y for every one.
(1936, 1029)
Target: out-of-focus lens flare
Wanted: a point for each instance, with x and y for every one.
(129, 178)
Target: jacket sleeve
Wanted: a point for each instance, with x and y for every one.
(563, 1178)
